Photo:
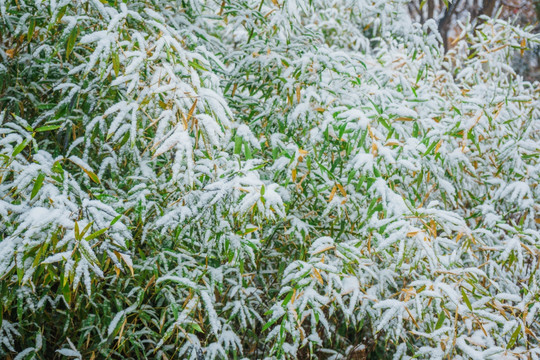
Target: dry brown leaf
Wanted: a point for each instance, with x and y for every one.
(332, 193)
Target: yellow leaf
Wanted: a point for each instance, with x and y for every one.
(294, 175)
(433, 228)
(92, 176)
(412, 318)
(298, 93)
(523, 44)
(370, 132)
(332, 193)
(10, 53)
(184, 121)
(498, 48)
(88, 172)
(317, 275)
(438, 146)
(190, 113)
(341, 190)
(391, 143)
(330, 247)
(293, 297)
(374, 149)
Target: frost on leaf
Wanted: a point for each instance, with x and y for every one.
(278, 179)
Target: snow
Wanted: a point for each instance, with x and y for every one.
(379, 181)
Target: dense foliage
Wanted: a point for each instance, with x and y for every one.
(264, 179)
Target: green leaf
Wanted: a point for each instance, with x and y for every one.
(115, 220)
(197, 327)
(440, 321)
(71, 41)
(47, 128)
(38, 257)
(37, 185)
(416, 129)
(164, 337)
(371, 207)
(61, 13)
(270, 323)
(195, 64)
(466, 299)
(419, 75)
(20, 273)
(96, 234)
(20, 148)
(31, 29)
(77, 232)
(116, 63)
(247, 151)
(237, 145)
(88, 254)
(20, 307)
(86, 228)
(514, 337)
(287, 298)
(431, 147)
(67, 293)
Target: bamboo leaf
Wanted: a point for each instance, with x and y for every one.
(514, 337)
(37, 185)
(31, 28)
(20, 148)
(440, 320)
(466, 299)
(70, 43)
(47, 128)
(96, 234)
